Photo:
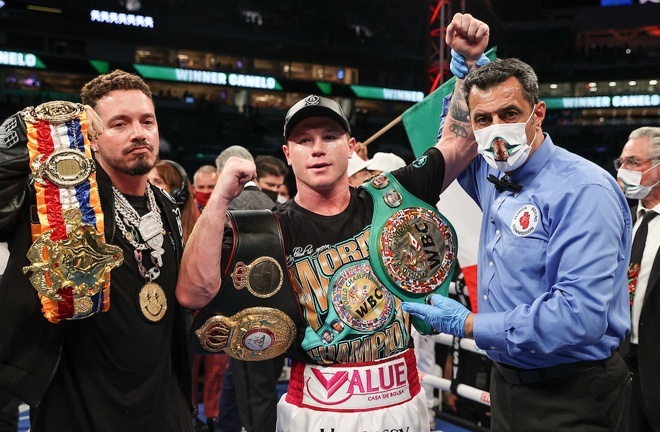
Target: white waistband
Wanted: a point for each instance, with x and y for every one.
(389, 382)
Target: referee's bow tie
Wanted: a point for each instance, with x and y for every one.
(504, 184)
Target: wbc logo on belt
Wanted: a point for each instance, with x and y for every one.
(360, 299)
(416, 249)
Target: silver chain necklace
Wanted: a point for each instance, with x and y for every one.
(149, 227)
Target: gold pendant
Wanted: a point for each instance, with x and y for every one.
(153, 302)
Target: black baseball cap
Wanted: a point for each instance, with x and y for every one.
(314, 106)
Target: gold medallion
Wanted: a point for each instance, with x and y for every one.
(253, 334)
(263, 277)
(80, 262)
(153, 302)
(393, 199)
(379, 181)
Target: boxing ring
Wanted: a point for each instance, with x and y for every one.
(444, 384)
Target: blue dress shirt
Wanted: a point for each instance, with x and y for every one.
(552, 261)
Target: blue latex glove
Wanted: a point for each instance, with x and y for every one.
(458, 67)
(445, 315)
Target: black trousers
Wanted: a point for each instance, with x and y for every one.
(594, 400)
(642, 419)
(256, 392)
(8, 412)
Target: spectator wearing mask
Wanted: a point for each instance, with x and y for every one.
(271, 173)
(203, 183)
(638, 174)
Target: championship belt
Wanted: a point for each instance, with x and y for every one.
(358, 304)
(255, 314)
(412, 247)
(71, 262)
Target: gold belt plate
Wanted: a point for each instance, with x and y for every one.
(64, 168)
(263, 277)
(53, 112)
(80, 262)
(253, 334)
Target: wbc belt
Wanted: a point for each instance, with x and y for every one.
(412, 247)
(70, 261)
(359, 304)
(255, 314)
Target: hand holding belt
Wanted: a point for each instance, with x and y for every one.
(412, 247)
(255, 315)
(71, 262)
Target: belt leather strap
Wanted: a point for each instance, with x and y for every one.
(519, 376)
(255, 315)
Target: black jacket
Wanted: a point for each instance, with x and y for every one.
(648, 348)
(30, 345)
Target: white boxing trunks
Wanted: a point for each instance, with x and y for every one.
(355, 397)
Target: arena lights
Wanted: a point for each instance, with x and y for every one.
(253, 17)
(120, 18)
(133, 5)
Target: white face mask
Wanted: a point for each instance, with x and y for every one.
(632, 183)
(504, 146)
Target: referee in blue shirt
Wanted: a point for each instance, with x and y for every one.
(554, 251)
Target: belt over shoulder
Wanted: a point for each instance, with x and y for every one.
(412, 246)
(255, 315)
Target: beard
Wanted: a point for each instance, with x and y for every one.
(140, 167)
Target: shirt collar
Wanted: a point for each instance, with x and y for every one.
(641, 209)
